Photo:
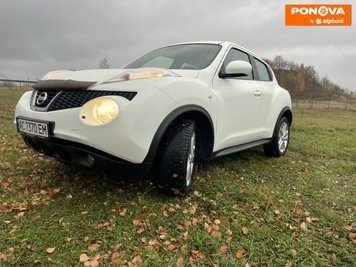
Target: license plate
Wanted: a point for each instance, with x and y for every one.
(33, 127)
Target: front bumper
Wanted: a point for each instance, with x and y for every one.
(128, 136)
(86, 156)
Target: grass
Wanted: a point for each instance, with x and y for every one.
(247, 210)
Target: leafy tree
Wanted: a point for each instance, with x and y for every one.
(104, 63)
(298, 78)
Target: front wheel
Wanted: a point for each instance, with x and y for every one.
(280, 141)
(176, 162)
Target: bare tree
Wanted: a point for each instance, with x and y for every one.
(104, 63)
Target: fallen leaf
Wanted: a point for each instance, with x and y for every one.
(240, 253)
(7, 222)
(99, 226)
(185, 235)
(123, 212)
(140, 231)
(137, 260)
(92, 263)
(50, 250)
(164, 213)
(83, 257)
(299, 211)
(217, 221)
(303, 226)
(223, 249)
(153, 242)
(184, 249)
(277, 212)
(193, 210)
(19, 215)
(93, 247)
(288, 264)
(199, 255)
(244, 230)
(86, 239)
(315, 219)
(3, 256)
(172, 209)
(208, 227)
(137, 222)
(171, 247)
(348, 228)
(352, 236)
(118, 261)
(180, 261)
(293, 252)
(216, 234)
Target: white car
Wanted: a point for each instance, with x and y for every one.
(159, 114)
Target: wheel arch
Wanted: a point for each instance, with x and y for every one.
(286, 112)
(204, 125)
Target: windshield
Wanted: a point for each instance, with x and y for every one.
(187, 56)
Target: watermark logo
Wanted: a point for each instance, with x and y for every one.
(318, 15)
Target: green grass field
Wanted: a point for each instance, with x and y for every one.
(247, 210)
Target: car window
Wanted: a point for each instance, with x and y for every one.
(262, 71)
(163, 62)
(235, 54)
(186, 56)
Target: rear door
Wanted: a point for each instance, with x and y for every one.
(266, 88)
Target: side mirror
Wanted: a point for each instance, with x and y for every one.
(237, 68)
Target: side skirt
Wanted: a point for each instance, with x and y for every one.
(234, 149)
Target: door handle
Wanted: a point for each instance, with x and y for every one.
(257, 93)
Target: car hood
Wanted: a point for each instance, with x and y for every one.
(84, 79)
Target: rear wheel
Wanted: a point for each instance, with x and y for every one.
(176, 161)
(280, 141)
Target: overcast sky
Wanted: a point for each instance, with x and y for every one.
(41, 35)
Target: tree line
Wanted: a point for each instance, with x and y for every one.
(298, 78)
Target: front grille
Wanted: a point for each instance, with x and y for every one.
(58, 100)
(41, 99)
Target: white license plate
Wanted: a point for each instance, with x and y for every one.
(33, 127)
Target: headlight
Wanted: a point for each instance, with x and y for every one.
(99, 111)
(142, 73)
(147, 73)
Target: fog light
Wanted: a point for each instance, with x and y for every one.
(99, 111)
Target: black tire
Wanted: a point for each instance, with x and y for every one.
(175, 164)
(280, 140)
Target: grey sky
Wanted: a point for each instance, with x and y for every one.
(42, 35)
